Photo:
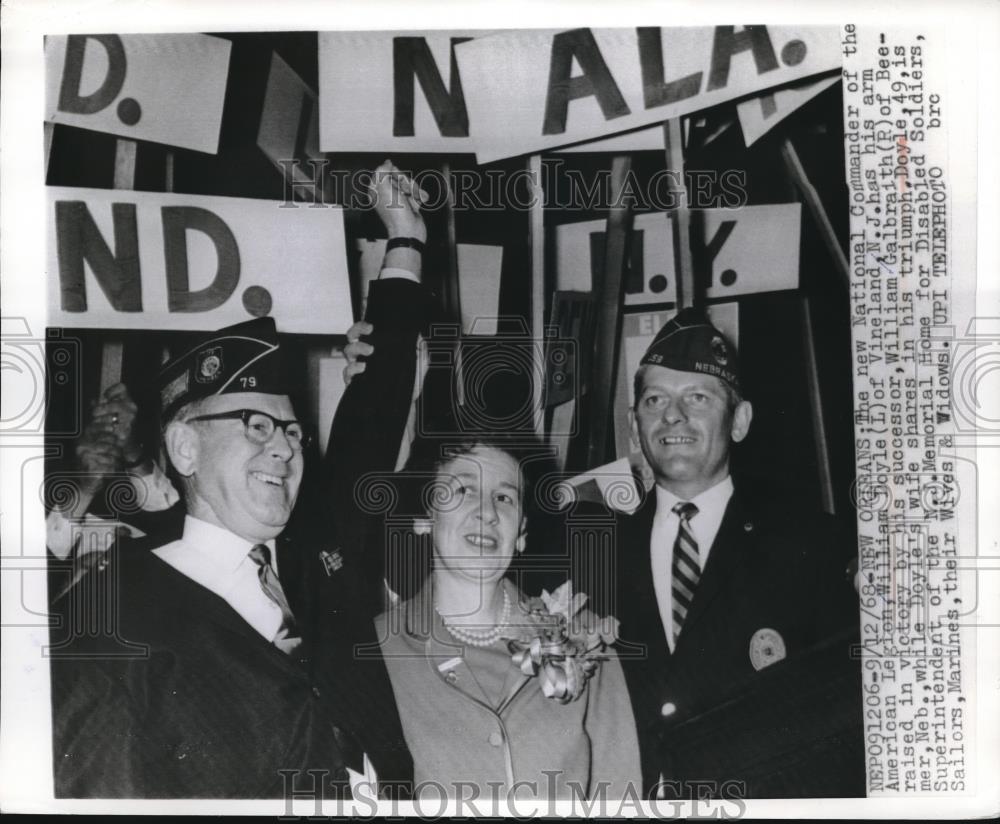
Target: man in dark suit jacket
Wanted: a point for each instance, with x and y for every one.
(736, 614)
(224, 666)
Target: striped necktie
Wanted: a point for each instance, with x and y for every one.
(686, 566)
(287, 638)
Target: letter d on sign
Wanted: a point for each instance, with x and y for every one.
(176, 221)
(70, 99)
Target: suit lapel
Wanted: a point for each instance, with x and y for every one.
(300, 574)
(292, 580)
(209, 608)
(726, 560)
(639, 610)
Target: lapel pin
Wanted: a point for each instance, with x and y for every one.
(766, 647)
(332, 560)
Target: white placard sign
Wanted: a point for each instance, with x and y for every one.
(639, 140)
(289, 127)
(759, 115)
(479, 269)
(166, 88)
(392, 92)
(614, 482)
(753, 249)
(531, 90)
(142, 260)
(402, 91)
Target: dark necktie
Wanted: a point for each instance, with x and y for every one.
(287, 638)
(686, 566)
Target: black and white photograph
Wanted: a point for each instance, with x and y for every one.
(555, 414)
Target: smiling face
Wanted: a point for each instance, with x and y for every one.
(684, 423)
(476, 519)
(249, 489)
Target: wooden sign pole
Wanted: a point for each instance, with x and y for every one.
(680, 215)
(111, 355)
(168, 174)
(451, 288)
(815, 206)
(611, 297)
(125, 155)
(537, 235)
(798, 176)
(452, 292)
(816, 407)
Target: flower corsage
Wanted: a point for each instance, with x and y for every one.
(561, 643)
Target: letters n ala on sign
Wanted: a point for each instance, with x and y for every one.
(531, 90)
(473, 91)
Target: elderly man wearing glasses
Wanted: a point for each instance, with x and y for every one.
(216, 682)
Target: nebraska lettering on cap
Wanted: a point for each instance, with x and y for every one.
(689, 343)
(241, 358)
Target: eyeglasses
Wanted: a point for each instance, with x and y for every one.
(259, 426)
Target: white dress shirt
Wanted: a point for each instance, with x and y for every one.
(219, 560)
(705, 525)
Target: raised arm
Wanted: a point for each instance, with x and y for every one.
(371, 417)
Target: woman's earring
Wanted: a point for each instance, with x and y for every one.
(422, 526)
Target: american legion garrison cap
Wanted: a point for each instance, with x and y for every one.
(689, 343)
(240, 358)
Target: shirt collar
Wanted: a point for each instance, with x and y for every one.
(714, 498)
(225, 550)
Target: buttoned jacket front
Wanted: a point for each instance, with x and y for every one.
(187, 700)
(461, 728)
(721, 700)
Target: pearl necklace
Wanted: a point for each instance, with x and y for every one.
(478, 638)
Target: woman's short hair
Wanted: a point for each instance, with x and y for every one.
(429, 455)
(408, 566)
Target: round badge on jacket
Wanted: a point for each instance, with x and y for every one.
(766, 647)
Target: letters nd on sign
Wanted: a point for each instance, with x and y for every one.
(166, 88)
(531, 90)
(753, 249)
(142, 260)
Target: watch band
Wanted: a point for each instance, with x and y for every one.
(406, 243)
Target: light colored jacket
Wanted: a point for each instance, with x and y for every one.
(470, 716)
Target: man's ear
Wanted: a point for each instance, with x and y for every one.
(633, 430)
(422, 526)
(182, 445)
(742, 416)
